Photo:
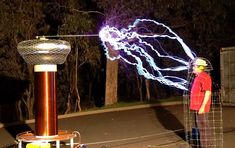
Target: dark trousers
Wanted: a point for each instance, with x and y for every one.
(205, 131)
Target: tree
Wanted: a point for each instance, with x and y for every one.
(20, 20)
(83, 50)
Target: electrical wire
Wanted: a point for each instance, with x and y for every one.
(67, 36)
(132, 138)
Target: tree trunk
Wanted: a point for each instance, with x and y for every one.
(68, 104)
(90, 91)
(147, 85)
(111, 83)
(77, 100)
(28, 98)
(139, 85)
(74, 93)
(20, 114)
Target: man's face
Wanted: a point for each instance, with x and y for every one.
(196, 69)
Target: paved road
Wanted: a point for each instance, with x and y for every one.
(139, 128)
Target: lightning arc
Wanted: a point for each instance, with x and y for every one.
(132, 46)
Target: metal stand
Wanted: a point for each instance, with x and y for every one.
(63, 135)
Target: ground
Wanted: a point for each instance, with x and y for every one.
(139, 126)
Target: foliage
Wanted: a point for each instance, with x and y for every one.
(85, 52)
(20, 20)
(120, 13)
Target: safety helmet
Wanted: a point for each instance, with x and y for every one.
(199, 61)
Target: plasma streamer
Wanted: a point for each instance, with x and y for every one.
(140, 46)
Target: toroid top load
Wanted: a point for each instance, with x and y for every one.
(43, 51)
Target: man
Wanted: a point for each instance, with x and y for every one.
(200, 100)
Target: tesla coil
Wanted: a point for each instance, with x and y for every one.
(45, 55)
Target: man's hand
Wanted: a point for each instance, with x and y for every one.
(201, 110)
(207, 97)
